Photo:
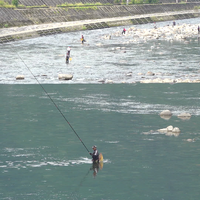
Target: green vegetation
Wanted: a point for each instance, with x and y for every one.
(84, 27)
(15, 3)
(81, 4)
(144, 1)
(42, 6)
(196, 7)
(85, 8)
(116, 1)
(6, 5)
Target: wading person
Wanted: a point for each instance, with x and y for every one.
(95, 155)
(82, 39)
(68, 50)
(124, 31)
(67, 57)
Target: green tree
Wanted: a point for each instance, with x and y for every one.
(15, 2)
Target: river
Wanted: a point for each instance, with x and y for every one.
(41, 156)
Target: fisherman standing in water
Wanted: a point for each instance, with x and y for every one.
(82, 39)
(95, 155)
(67, 57)
(124, 31)
(68, 54)
(68, 50)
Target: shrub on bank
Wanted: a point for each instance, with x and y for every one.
(15, 3)
(6, 5)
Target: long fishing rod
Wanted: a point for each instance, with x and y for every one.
(53, 102)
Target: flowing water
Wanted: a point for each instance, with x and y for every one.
(42, 158)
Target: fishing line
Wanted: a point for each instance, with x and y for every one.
(53, 102)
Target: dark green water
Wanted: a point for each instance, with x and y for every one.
(42, 158)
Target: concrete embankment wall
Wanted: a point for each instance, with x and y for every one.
(22, 17)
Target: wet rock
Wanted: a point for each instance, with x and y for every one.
(65, 76)
(166, 113)
(190, 140)
(129, 74)
(165, 117)
(170, 128)
(176, 130)
(170, 131)
(184, 116)
(109, 81)
(101, 81)
(172, 134)
(140, 74)
(162, 130)
(20, 77)
(150, 73)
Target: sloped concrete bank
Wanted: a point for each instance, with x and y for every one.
(40, 22)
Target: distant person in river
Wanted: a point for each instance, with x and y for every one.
(198, 29)
(68, 50)
(82, 39)
(67, 57)
(95, 155)
(124, 31)
(174, 23)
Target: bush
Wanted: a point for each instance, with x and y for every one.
(137, 1)
(117, 1)
(15, 2)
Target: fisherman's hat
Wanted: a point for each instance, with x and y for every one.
(94, 146)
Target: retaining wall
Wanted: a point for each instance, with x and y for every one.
(22, 17)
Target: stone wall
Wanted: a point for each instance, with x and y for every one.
(21, 17)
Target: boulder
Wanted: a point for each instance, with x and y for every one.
(184, 116)
(65, 76)
(166, 113)
(176, 130)
(172, 134)
(150, 73)
(163, 130)
(109, 81)
(19, 77)
(170, 128)
(190, 140)
(165, 117)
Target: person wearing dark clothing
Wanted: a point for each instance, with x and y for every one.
(198, 29)
(95, 168)
(95, 155)
(67, 57)
(68, 50)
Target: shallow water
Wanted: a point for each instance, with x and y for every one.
(96, 60)
(41, 157)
